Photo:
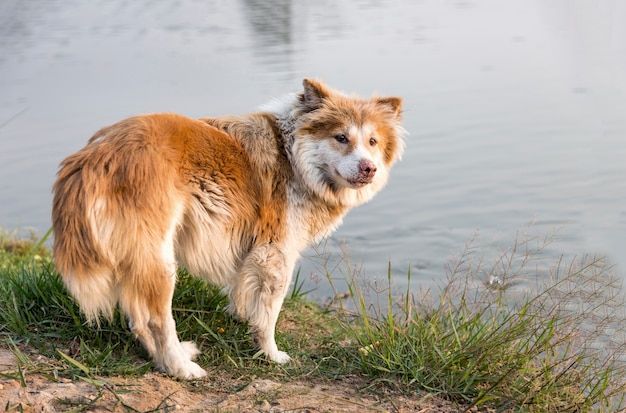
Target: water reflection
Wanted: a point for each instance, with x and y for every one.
(18, 22)
(272, 36)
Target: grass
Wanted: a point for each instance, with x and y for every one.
(506, 331)
(557, 345)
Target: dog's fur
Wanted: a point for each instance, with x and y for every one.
(233, 199)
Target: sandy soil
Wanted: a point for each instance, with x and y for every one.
(155, 392)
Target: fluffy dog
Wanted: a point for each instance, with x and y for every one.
(233, 199)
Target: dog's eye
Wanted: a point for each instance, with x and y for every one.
(341, 138)
(373, 141)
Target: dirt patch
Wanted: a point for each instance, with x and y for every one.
(154, 392)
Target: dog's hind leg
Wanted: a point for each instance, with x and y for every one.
(147, 302)
(258, 296)
(146, 297)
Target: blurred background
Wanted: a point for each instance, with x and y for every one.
(516, 110)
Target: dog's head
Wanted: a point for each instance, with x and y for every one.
(344, 146)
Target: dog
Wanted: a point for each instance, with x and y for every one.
(233, 199)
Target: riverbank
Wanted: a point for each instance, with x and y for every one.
(467, 349)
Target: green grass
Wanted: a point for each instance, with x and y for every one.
(506, 331)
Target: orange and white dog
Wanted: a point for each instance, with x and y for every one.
(233, 199)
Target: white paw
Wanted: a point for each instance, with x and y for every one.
(189, 371)
(194, 371)
(178, 363)
(279, 357)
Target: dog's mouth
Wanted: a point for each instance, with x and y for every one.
(354, 182)
(359, 182)
(335, 180)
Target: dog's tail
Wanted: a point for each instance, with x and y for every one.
(86, 269)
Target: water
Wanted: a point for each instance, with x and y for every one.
(516, 110)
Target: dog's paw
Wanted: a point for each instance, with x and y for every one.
(185, 370)
(194, 371)
(279, 357)
(178, 363)
(189, 370)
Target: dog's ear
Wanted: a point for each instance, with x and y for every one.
(392, 104)
(314, 93)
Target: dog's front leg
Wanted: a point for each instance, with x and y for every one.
(258, 293)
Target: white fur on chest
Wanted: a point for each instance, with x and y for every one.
(307, 223)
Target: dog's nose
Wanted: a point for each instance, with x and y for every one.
(367, 168)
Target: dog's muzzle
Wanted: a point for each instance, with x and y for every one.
(365, 174)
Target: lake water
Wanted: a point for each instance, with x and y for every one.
(516, 110)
